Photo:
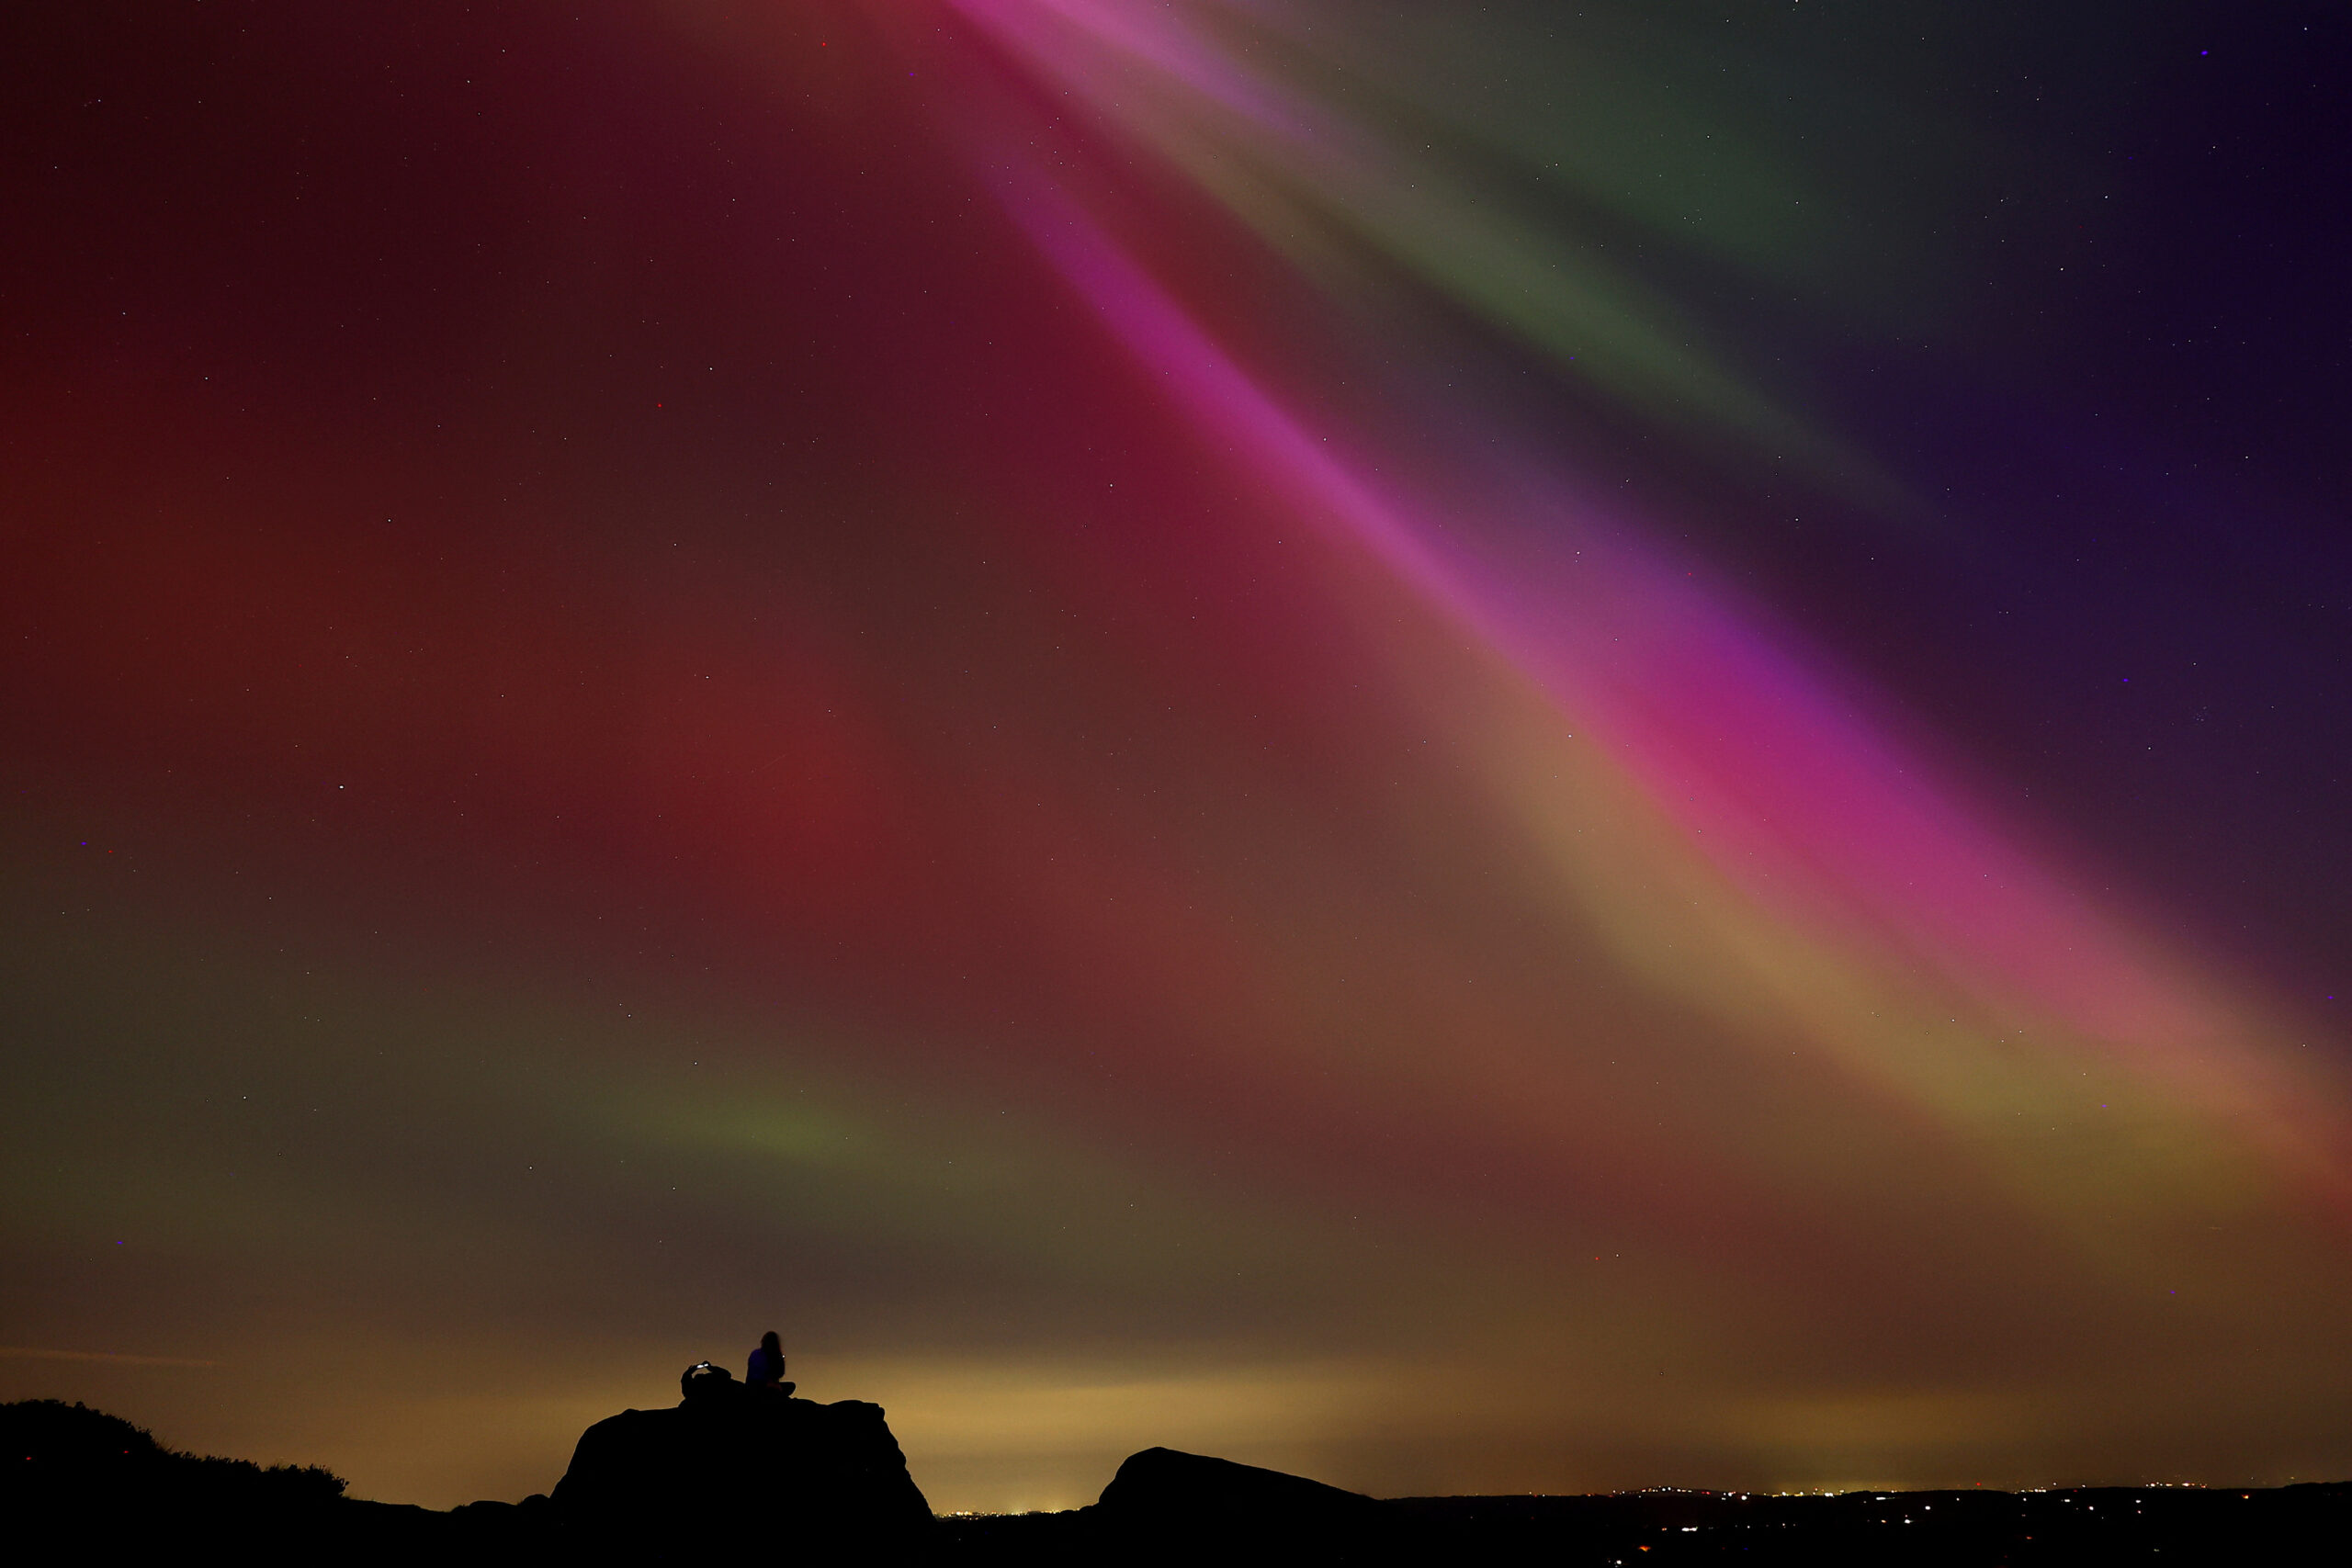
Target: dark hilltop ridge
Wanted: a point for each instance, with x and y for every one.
(750, 1470)
(1170, 1508)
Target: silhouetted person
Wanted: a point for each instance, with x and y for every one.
(704, 1382)
(767, 1371)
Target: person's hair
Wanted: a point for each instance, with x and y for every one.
(768, 1341)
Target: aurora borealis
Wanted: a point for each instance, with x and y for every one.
(1474, 749)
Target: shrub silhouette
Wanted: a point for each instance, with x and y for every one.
(59, 1453)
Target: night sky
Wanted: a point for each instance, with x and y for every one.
(1534, 746)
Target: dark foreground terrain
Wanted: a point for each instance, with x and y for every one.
(89, 1484)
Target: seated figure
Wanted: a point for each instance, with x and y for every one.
(706, 1381)
(767, 1369)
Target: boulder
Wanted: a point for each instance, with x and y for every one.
(1164, 1505)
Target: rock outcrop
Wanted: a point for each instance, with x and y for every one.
(732, 1462)
(1161, 1485)
(1165, 1505)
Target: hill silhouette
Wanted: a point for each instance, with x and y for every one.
(74, 1473)
(730, 1469)
(72, 1452)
